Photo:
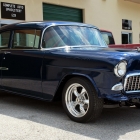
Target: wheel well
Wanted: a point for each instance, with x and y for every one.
(58, 94)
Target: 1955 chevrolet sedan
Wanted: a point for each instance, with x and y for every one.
(70, 62)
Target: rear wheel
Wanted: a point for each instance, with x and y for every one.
(80, 100)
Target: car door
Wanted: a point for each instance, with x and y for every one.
(4, 45)
(23, 64)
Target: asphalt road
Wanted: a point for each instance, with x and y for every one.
(28, 119)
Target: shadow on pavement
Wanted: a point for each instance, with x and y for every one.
(112, 124)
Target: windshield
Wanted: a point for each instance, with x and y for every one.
(59, 36)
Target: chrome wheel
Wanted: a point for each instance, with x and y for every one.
(77, 100)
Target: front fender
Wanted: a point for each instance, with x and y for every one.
(91, 80)
(69, 76)
(54, 79)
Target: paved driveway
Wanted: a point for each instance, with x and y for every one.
(27, 119)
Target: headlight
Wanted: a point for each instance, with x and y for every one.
(120, 69)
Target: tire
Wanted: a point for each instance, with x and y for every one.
(80, 100)
(137, 105)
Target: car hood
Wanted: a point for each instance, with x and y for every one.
(99, 53)
(108, 55)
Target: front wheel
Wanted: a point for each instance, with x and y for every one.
(80, 100)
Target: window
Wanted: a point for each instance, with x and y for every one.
(4, 39)
(26, 39)
(71, 36)
(108, 37)
(126, 24)
(126, 38)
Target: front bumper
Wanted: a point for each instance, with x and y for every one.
(120, 97)
(128, 89)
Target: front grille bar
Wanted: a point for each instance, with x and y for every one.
(132, 83)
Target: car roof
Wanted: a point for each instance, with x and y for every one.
(41, 25)
(102, 30)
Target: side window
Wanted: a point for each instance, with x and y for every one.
(4, 39)
(26, 39)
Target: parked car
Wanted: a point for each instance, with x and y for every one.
(109, 39)
(68, 61)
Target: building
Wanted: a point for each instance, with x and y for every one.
(122, 17)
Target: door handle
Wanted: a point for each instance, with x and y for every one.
(6, 52)
(3, 68)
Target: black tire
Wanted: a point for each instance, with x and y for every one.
(95, 103)
(137, 105)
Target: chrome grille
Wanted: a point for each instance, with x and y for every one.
(132, 83)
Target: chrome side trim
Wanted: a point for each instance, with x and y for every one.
(62, 47)
(56, 48)
(4, 68)
(6, 52)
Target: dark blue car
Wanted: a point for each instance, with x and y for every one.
(70, 62)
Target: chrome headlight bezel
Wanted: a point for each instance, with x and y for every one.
(120, 68)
